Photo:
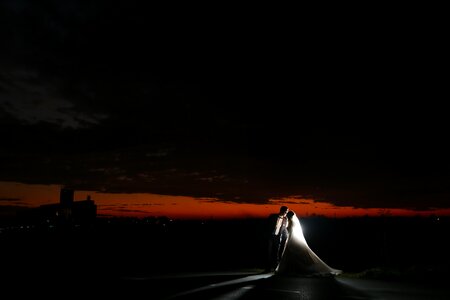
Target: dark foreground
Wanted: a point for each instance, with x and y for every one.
(269, 286)
(223, 285)
(161, 259)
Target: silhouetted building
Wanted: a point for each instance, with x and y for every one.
(68, 212)
(66, 197)
(84, 211)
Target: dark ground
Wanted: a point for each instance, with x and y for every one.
(123, 252)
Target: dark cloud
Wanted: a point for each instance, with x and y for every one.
(31, 99)
(9, 199)
(126, 210)
(109, 98)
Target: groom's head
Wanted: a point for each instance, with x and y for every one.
(284, 210)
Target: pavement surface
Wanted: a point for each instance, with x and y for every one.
(217, 286)
(269, 286)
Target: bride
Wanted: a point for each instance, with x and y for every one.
(298, 258)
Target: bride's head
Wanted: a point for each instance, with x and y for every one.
(290, 214)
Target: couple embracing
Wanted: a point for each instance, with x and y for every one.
(289, 252)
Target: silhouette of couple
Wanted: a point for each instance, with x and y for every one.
(289, 252)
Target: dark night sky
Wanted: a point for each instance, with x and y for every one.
(243, 108)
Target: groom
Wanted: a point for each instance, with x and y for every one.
(278, 238)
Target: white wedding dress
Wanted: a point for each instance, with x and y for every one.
(298, 258)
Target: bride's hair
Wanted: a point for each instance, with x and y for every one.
(290, 214)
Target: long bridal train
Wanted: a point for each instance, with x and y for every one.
(298, 258)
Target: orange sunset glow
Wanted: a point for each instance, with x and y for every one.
(182, 207)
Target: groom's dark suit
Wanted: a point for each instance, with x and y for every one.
(279, 235)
